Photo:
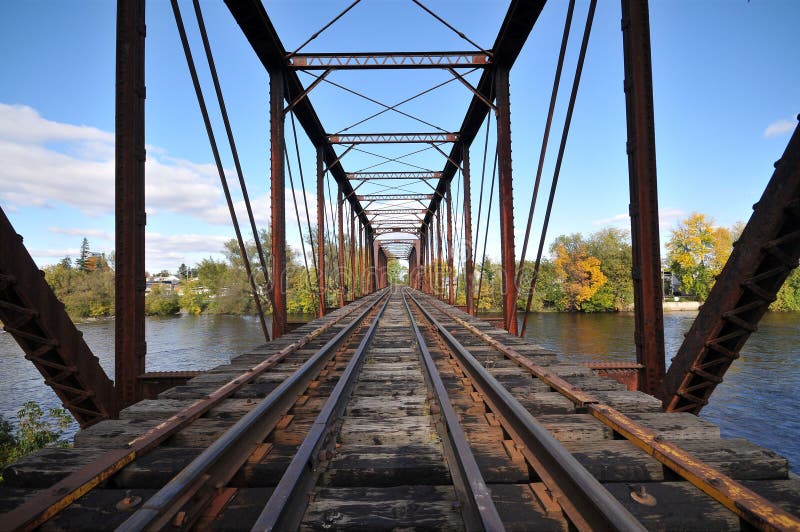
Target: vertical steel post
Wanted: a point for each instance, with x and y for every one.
(506, 199)
(352, 257)
(439, 273)
(470, 267)
(278, 197)
(450, 273)
(371, 255)
(340, 211)
(130, 347)
(646, 243)
(321, 232)
(362, 270)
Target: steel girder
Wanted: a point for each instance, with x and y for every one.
(376, 176)
(517, 25)
(392, 138)
(258, 29)
(386, 60)
(762, 259)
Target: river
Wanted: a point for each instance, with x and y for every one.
(756, 401)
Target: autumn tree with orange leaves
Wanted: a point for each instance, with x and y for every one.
(576, 270)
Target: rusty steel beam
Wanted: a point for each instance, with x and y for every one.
(439, 260)
(32, 314)
(323, 300)
(469, 266)
(391, 138)
(393, 197)
(506, 199)
(762, 259)
(450, 270)
(258, 29)
(645, 240)
(340, 233)
(385, 60)
(376, 176)
(517, 25)
(371, 212)
(130, 348)
(278, 198)
(352, 257)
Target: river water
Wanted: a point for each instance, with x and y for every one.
(756, 401)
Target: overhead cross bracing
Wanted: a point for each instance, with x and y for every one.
(391, 183)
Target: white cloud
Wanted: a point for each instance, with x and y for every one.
(79, 171)
(665, 218)
(779, 127)
(96, 233)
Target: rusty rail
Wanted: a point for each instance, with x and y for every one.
(214, 467)
(480, 510)
(48, 503)
(585, 501)
(285, 507)
(740, 500)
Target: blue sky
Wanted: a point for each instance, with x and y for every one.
(725, 84)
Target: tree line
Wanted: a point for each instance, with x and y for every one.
(582, 274)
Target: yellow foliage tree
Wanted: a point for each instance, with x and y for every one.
(578, 272)
(696, 253)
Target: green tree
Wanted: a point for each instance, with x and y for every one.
(183, 272)
(612, 248)
(396, 272)
(161, 302)
(33, 432)
(66, 263)
(577, 270)
(84, 254)
(788, 297)
(696, 252)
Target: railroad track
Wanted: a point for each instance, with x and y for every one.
(399, 412)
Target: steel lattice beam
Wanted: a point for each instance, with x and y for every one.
(377, 176)
(392, 138)
(386, 60)
(517, 25)
(393, 197)
(258, 29)
(395, 211)
(762, 259)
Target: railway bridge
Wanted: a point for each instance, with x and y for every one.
(396, 408)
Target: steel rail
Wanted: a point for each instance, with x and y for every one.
(479, 511)
(739, 499)
(584, 500)
(220, 461)
(50, 502)
(285, 508)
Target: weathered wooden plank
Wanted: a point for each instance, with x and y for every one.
(394, 432)
(616, 461)
(112, 433)
(678, 426)
(739, 459)
(576, 427)
(627, 402)
(97, 510)
(785, 493)
(546, 403)
(391, 508)
(678, 506)
(520, 510)
(45, 467)
(365, 465)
